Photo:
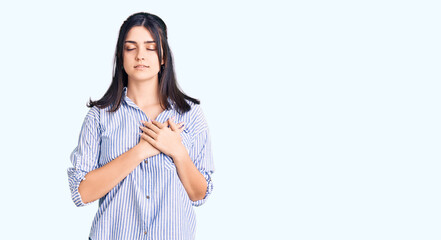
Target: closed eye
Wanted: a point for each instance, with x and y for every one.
(151, 47)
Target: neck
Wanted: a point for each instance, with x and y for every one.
(143, 93)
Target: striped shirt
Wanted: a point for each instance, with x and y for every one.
(151, 202)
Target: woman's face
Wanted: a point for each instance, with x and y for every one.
(139, 55)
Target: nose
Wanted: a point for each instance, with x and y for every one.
(140, 55)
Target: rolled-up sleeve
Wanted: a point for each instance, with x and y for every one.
(84, 157)
(203, 160)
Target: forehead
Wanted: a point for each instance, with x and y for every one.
(139, 34)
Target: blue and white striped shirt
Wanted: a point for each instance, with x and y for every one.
(151, 202)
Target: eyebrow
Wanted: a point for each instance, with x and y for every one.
(137, 43)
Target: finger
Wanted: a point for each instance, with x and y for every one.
(144, 136)
(173, 125)
(181, 127)
(149, 132)
(151, 126)
(148, 139)
(158, 124)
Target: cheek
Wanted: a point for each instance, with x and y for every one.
(157, 59)
(125, 56)
(126, 61)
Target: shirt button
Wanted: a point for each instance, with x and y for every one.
(146, 161)
(148, 197)
(145, 232)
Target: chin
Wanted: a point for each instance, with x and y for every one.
(139, 77)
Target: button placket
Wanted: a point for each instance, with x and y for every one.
(147, 197)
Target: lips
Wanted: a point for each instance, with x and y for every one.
(141, 66)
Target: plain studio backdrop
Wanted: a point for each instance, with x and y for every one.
(324, 115)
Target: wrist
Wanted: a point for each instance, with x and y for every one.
(138, 151)
(179, 154)
(145, 150)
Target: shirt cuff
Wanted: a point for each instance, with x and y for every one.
(75, 178)
(207, 176)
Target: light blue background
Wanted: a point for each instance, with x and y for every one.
(324, 115)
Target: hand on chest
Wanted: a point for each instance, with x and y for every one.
(123, 135)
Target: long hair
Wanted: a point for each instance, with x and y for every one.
(168, 86)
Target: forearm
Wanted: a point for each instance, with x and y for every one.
(193, 180)
(100, 181)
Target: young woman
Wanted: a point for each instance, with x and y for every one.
(147, 170)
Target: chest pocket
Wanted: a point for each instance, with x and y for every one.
(186, 139)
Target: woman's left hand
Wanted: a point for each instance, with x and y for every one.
(166, 140)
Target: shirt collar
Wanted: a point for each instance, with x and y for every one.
(132, 104)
